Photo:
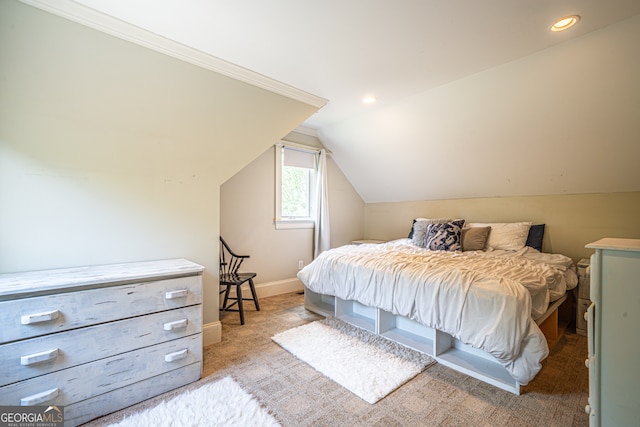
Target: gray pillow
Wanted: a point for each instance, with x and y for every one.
(475, 239)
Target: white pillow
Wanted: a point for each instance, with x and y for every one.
(508, 236)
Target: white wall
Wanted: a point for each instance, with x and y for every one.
(247, 212)
(110, 152)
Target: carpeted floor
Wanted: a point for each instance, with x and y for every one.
(299, 396)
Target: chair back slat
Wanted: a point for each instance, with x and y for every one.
(230, 262)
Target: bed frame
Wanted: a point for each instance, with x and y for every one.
(444, 348)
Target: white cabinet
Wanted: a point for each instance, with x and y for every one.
(97, 339)
(613, 331)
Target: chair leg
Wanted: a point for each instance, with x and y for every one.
(226, 297)
(240, 307)
(255, 296)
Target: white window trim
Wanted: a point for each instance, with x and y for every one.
(291, 224)
(288, 223)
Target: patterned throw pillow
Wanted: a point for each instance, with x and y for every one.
(419, 229)
(444, 237)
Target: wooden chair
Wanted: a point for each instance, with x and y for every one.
(230, 262)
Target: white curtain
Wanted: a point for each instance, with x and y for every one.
(322, 230)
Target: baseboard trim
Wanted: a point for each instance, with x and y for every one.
(211, 333)
(279, 287)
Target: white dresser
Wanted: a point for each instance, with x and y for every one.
(584, 301)
(613, 331)
(97, 339)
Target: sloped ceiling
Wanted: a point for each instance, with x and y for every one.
(474, 98)
(565, 120)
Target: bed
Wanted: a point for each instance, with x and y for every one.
(470, 295)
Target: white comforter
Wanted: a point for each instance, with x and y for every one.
(488, 300)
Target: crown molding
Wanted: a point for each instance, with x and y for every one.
(91, 18)
(305, 130)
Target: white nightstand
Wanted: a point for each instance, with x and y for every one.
(365, 241)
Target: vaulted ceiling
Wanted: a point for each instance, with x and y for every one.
(473, 98)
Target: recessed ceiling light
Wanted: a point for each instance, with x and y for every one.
(369, 99)
(565, 23)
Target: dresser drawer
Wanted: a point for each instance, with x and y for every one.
(89, 409)
(32, 317)
(91, 379)
(26, 359)
(581, 310)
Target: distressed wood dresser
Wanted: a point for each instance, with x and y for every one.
(97, 339)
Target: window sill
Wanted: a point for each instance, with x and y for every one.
(292, 224)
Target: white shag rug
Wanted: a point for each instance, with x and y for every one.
(366, 364)
(222, 403)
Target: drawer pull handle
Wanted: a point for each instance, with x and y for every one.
(178, 324)
(176, 294)
(178, 355)
(39, 398)
(45, 316)
(43, 356)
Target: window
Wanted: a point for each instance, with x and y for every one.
(295, 187)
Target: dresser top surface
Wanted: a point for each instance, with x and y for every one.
(26, 284)
(616, 243)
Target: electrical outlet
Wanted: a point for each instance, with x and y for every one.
(300, 264)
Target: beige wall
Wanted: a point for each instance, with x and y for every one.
(571, 221)
(111, 152)
(247, 212)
